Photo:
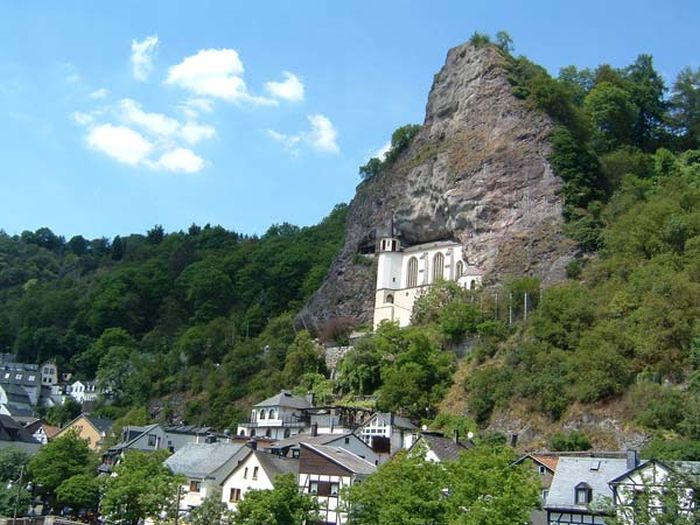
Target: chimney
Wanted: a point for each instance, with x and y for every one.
(314, 429)
(632, 459)
(455, 436)
(253, 443)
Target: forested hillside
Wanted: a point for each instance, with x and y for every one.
(156, 314)
(202, 321)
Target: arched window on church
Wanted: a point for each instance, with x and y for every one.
(271, 415)
(389, 299)
(459, 270)
(473, 285)
(262, 414)
(438, 266)
(412, 276)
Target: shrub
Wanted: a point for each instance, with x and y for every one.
(570, 442)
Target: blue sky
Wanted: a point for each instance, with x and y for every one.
(118, 116)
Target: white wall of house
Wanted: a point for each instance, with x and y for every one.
(331, 504)
(652, 478)
(248, 475)
(275, 422)
(378, 425)
(194, 492)
(396, 291)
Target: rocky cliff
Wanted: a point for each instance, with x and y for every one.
(476, 173)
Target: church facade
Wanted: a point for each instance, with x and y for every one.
(403, 274)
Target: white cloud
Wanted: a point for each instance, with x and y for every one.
(192, 107)
(84, 119)
(214, 73)
(323, 135)
(194, 133)
(142, 57)
(119, 142)
(180, 160)
(291, 88)
(99, 94)
(155, 123)
(381, 152)
(290, 142)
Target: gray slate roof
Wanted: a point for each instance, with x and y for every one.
(10, 430)
(344, 458)
(444, 448)
(397, 421)
(101, 424)
(596, 472)
(199, 460)
(321, 439)
(274, 465)
(285, 399)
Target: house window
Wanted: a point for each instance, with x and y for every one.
(245, 473)
(151, 440)
(313, 487)
(347, 440)
(412, 276)
(262, 414)
(583, 494)
(295, 453)
(438, 267)
(234, 495)
(18, 376)
(255, 472)
(272, 414)
(195, 486)
(335, 489)
(459, 270)
(389, 299)
(542, 470)
(31, 378)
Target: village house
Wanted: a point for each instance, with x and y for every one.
(92, 429)
(278, 417)
(205, 466)
(41, 430)
(83, 391)
(434, 446)
(324, 471)
(404, 273)
(256, 470)
(15, 402)
(580, 491)
(154, 437)
(544, 465)
(291, 447)
(387, 433)
(14, 435)
(648, 484)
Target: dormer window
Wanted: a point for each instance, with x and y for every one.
(583, 494)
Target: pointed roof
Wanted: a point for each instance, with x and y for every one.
(285, 399)
(199, 460)
(320, 439)
(343, 458)
(444, 448)
(595, 472)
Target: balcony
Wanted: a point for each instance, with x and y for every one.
(288, 422)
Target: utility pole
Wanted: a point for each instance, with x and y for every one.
(177, 504)
(525, 314)
(19, 488)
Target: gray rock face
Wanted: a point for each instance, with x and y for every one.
(477, 173)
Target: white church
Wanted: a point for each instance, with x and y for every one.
(403, 274)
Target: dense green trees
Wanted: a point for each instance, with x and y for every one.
(283, 505)
(480, 487)
(142, 488)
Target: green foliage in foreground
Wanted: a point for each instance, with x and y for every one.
(480, 487)
(142, 488)
(283, 505)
